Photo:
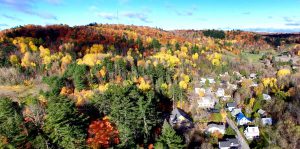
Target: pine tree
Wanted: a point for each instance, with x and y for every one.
(64, 125)
(11, 123)
(169, 139)
(132, 110)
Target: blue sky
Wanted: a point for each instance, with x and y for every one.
(254, 15)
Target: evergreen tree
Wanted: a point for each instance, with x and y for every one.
(11, 124)
(169, 139)
(132, 110)
(64, 124)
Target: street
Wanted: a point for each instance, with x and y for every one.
(239, 136)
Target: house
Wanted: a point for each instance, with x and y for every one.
(266, 121)
(179, 117)
(266, 97)
(251, 132)
(220, 92)
(234, 112)
(211, 128)
(199, 90)
(214, 110)
(254, 85)
(206, 102)
(252, 76)
(261, 112)
(226, 97)
(210, 80)
(231, 86)
(229, 143)
(241, 119)
(231, 105)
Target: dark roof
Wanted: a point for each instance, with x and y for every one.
(229, 143)
(231, 104)
(178, 112)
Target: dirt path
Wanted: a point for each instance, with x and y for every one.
(239, 136)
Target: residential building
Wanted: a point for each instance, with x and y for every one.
(266, 121)
(266, 97)
(241, 119)
(211, 128)
(251, 132)
(206, 102)
(229, 144)
(180, 118)
(231, 105)
(235, 111)
(220, 92)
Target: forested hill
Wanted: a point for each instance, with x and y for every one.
(118, 35)
(121, 86)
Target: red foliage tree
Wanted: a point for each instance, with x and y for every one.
(102, 134)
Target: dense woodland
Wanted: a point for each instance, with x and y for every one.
(101, 86)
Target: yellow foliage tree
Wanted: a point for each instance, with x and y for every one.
(251, 102)
(183, 84)
(14, 59)
(195, 56)
(67, 59)
(96, 48)
(103, 71)
(26, 60)
(184, 49)
(44, 51)
(46, 60)
(88, 59)
(103, 88)
(283, 72)
(164, 86)
(144, 86)
(32, 46)
(23, 47)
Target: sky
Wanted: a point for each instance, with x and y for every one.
(251, 15)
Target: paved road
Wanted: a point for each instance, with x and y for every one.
(239, 136)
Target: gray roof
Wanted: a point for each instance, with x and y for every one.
(231, 104)
(229, 143)
(178, 112)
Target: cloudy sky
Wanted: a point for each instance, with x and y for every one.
(254, 15)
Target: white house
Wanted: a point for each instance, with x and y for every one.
(266, 97)
(261, 112)
(211, 128)
(241, 119)
(220, 92)
(210, 80)
(251, 132)
(234, 112)
(226, 97)
(199, 90)
(266, 121)
(252, 76)
(206, 102)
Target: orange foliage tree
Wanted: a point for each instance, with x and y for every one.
(101, 134)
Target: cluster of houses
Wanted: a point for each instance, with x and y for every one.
(207, 98)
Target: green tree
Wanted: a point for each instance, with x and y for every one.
(11, 123)
(132, 110)
(169, 139)
(64, 125)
